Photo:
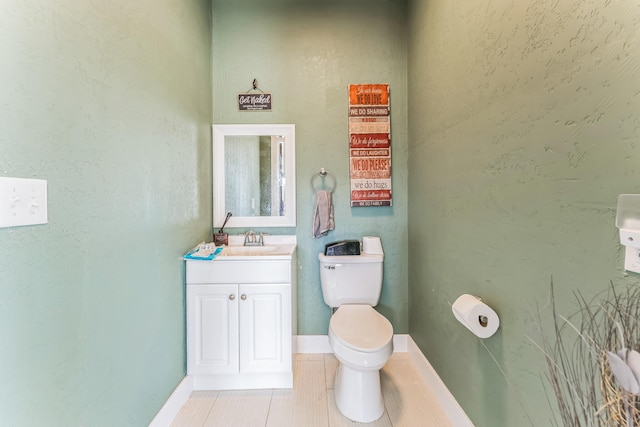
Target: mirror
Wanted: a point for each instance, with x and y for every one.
(254, 175)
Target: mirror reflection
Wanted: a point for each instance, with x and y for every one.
(254, 175)
(254, 167)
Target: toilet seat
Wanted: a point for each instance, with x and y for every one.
(361, 328)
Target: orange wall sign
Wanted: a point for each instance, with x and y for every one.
(370, 145)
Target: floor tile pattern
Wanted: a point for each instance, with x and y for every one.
(408, 400)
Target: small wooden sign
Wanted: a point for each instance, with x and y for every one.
(254, 102)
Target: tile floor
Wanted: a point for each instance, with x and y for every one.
(408, 401)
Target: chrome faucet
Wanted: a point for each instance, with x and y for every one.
(253, 239)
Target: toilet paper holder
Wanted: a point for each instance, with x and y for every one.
(484, 321)
(475, 315)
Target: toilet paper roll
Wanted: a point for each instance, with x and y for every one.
(478, 317)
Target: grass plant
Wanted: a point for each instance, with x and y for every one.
(585, 391)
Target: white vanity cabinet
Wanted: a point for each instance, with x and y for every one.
(239, 323)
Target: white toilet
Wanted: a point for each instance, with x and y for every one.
(360, 337)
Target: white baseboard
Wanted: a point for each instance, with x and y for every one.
(402, 343)
(311, 344)
(172, 406)
(447, 402)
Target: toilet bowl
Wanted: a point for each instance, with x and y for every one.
(362, 341)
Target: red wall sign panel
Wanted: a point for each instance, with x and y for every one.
(370, 145)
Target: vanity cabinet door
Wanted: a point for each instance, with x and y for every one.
(265, 328)
(212, 329)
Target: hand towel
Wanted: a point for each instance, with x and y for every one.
(323, 215)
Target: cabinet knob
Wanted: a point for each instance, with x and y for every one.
(232, 297)
(243, 297)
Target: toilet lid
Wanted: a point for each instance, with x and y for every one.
(360, 327)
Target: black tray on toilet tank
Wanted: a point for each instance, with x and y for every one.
(343, 247)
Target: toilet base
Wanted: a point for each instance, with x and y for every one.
(358, 394)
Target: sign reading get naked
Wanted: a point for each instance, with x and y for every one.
(370, 145)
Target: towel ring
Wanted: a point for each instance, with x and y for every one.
(322, 174)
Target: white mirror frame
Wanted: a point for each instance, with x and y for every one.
(219, 211)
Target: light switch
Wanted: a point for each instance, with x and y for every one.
(23, 201)
(632, 259)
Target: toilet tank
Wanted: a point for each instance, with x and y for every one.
(352, 279)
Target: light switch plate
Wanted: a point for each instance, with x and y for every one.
(23, 201)
(632, 259)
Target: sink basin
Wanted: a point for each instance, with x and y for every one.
(252, 250)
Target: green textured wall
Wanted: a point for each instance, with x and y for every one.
(523, 125)
(110, 102)
(512, 138)
(306, 53)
